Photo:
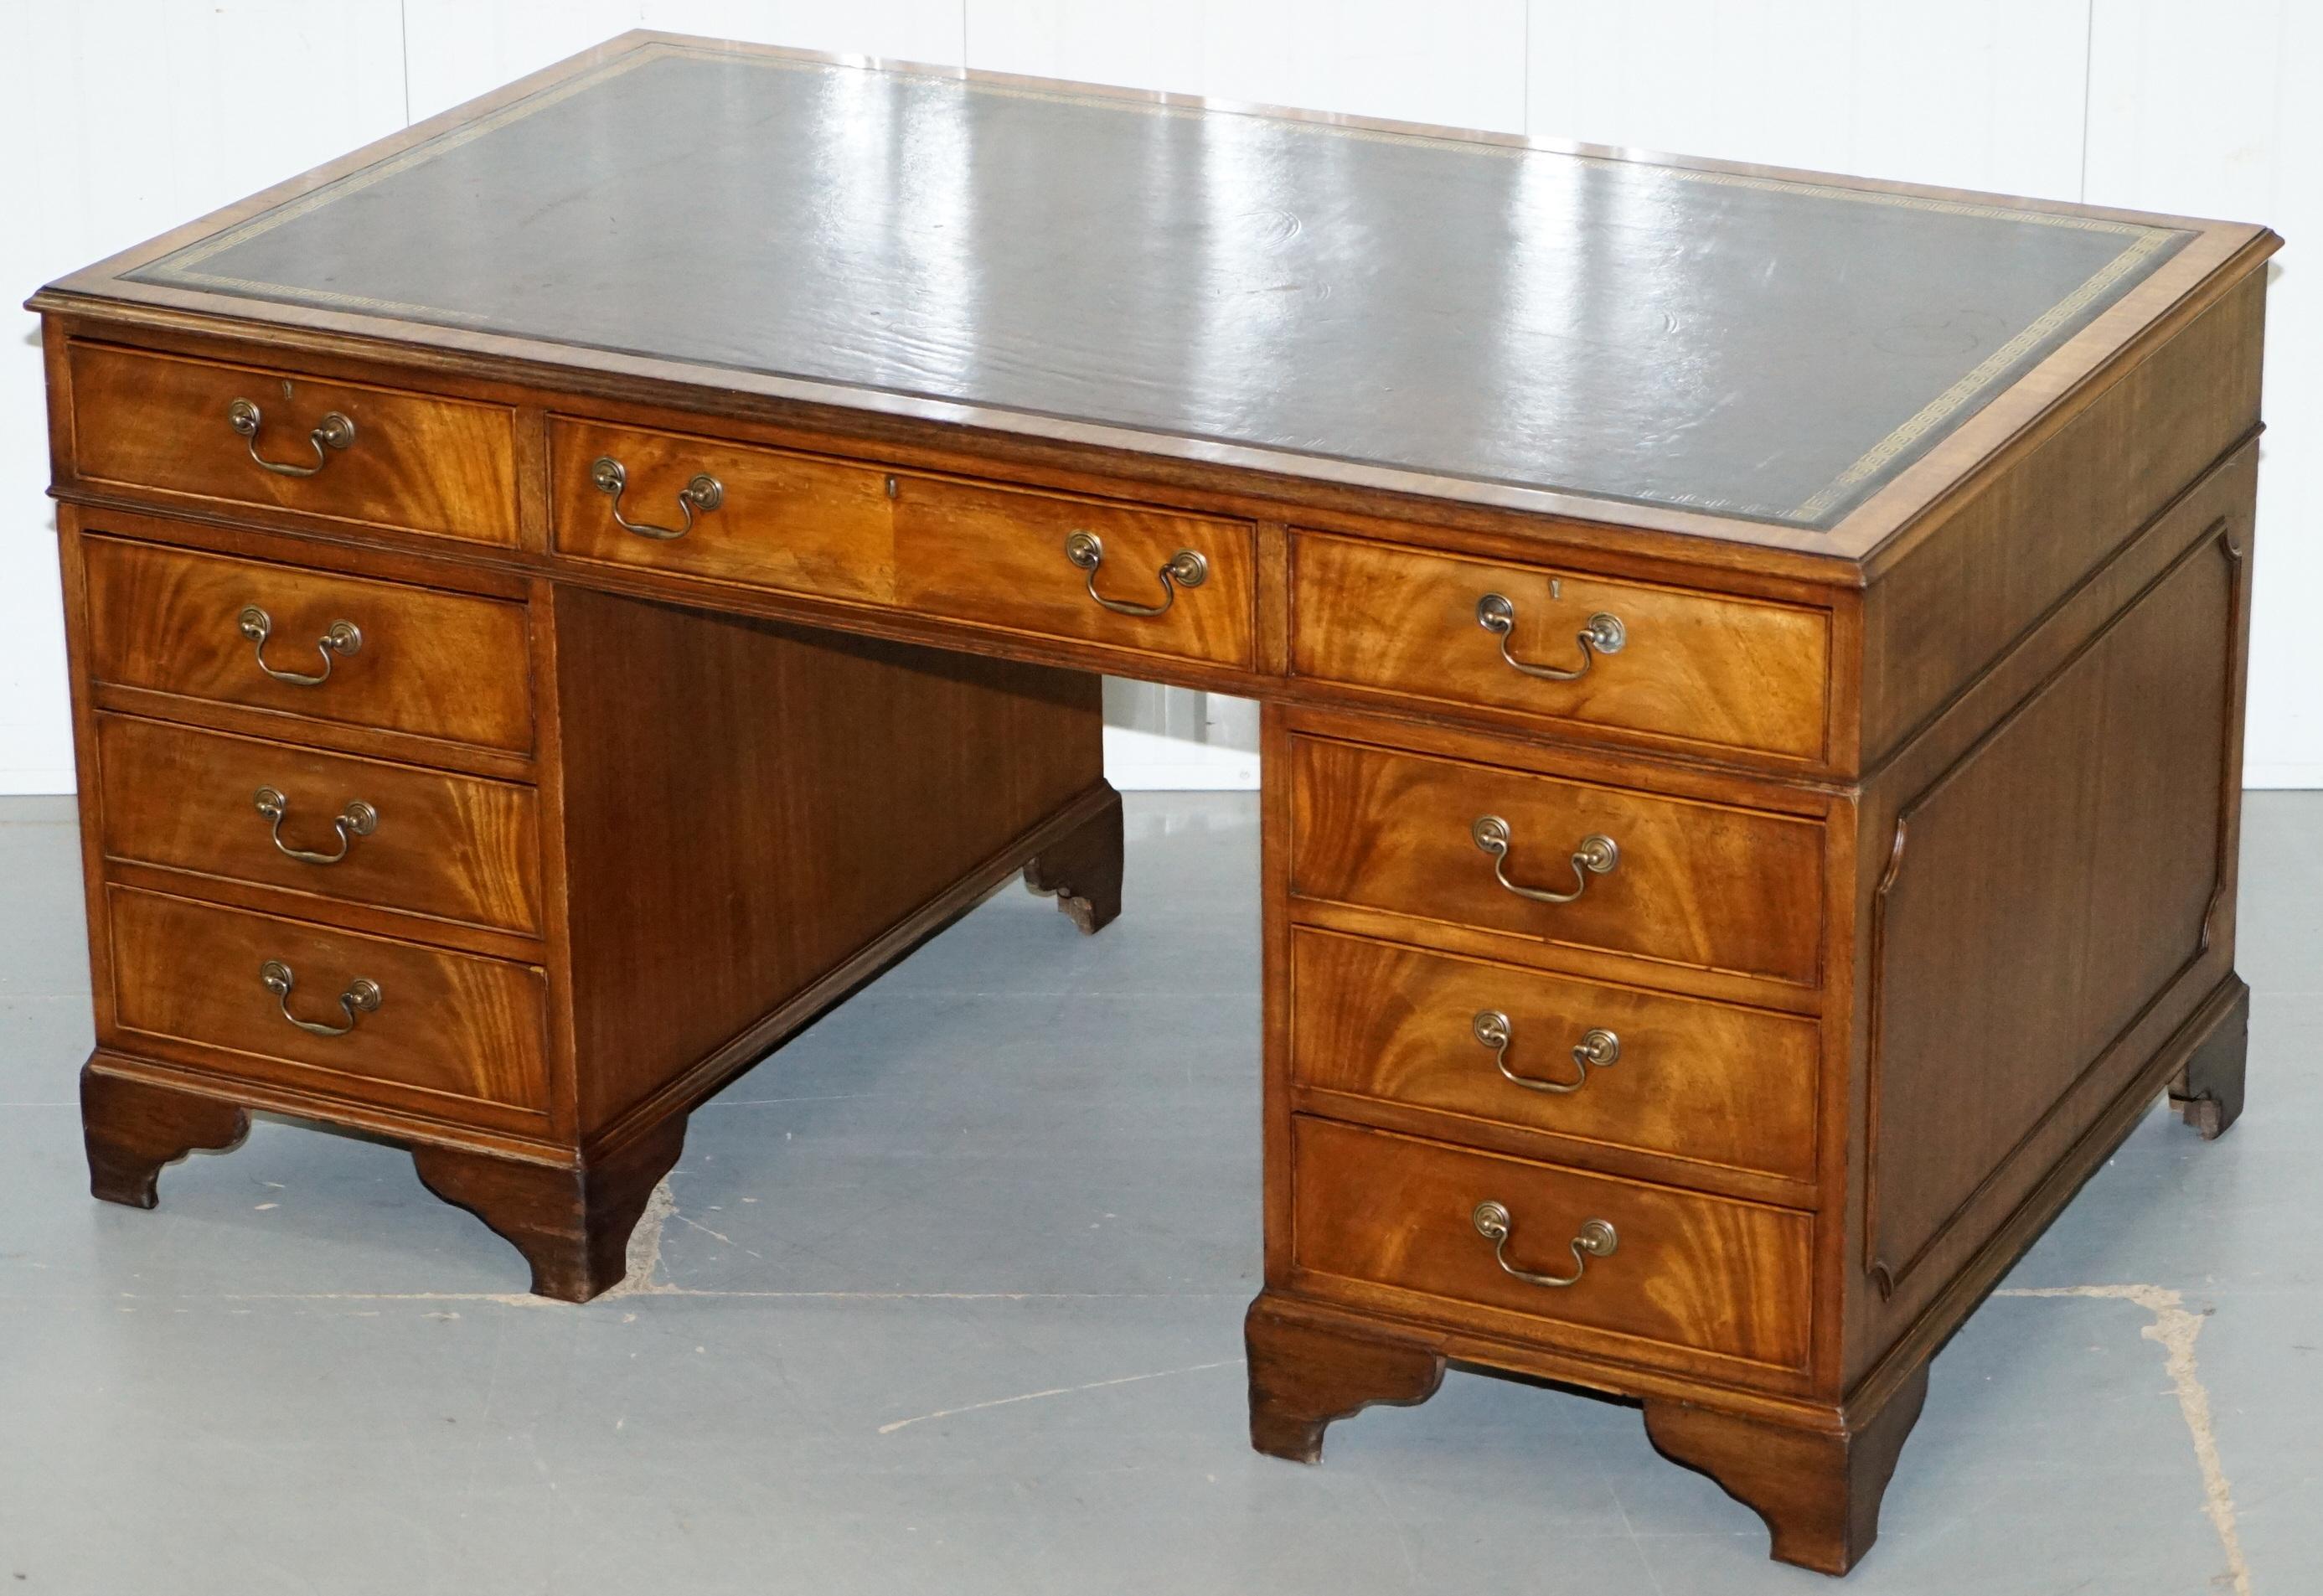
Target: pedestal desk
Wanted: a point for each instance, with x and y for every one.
(1752, 670)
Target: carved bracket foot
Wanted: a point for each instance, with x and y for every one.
(1304, 1375)
(2208, 1093)
(1083, 868)
(133, 1128)
(571, 1225)
(1819, 1491)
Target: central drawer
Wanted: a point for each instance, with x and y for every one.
(431, 1024)
(1050, 564)
(357, 830)
(1683, 1271)
(1683, 881)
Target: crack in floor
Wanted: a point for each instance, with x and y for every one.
(2173, 1329)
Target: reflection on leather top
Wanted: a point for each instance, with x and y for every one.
(1740, 345)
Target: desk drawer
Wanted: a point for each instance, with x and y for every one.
(1725, 672)
(795, 522)
(1000, 556)
(1685, 1271)
(410, 461)
(1690, 882)
(447, 1024)
(432, 664)
(1712, 1082)
(449, 846)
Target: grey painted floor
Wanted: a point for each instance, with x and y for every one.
(947, 1299)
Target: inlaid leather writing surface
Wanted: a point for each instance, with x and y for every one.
(1752, 347)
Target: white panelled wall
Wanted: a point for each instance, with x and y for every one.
(125, 118)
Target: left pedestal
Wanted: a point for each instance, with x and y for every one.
(513, 874)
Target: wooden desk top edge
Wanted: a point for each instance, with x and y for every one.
(2219, 255)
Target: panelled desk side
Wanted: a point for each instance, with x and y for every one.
(1924, 885)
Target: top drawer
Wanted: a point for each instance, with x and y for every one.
(1569, 863)
(347, 650)
(249, 436)
(1691, 667)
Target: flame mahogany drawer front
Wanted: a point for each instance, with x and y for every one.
(1667, 1271)
(1688, 666)
(766, 518)
(358, 831)
(377, 456)
(1667, 879)
(1712, 1082)
(412, 1024)
(1050, 564)
(389, 656)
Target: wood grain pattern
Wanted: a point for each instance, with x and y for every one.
(745, 805)
(1691, 1272)
(1695, 669)
(996, 556)
(1948, 605)
(572, 1222)
(1697, 884)
(132, 1129)
(1083, 871)
(784, 520)
(448, 846)
(2208, 1093)
(1818, 1490)
(418, 462)
(1710, 1084)
(1304, 1375)
(2057, 896)
(461, 1030)
(434, 664)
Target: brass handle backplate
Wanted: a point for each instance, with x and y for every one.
(1597, 1048)
(358, 819)
(1184, 569)
(340, 640)
(1595, 1239)
(361, 997)
(1596, 856)
(1603, 634)
(703, 493)
(334, 431)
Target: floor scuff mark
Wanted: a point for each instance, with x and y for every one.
(1062, 1390)
(2173, 1330)
(645, 1247)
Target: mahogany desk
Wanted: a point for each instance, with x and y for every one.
(1752, 668)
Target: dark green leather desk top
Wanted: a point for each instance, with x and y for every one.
(1747, 346)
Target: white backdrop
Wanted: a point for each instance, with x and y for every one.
(123, 117)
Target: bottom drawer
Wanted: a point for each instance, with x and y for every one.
(430, 1024)
(1685, 1271)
